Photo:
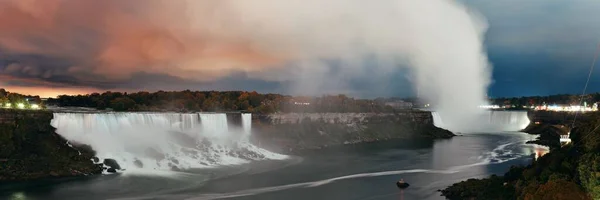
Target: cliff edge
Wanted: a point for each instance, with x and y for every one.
(30, 149)
(287, 132)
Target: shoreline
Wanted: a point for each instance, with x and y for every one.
(25, 131)
(565, 172)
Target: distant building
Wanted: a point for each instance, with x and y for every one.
(565, 138)
(399, 104)
(301, 101)
(565, 134)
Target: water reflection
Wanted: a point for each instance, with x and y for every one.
(540, 151)
(18, 196)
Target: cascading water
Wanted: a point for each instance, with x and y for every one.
(489, 121)
(437, 120)
(247, 124)
(161, 141)
(214, 124)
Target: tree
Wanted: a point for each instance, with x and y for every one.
(3, 92)
(3, 100)
(558, 190)
(589, 174)
(122, 104)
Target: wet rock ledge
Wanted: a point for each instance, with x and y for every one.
(30, 149)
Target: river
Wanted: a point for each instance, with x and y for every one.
(363, 171)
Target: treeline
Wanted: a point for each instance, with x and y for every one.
(569, 172)
(552, 99)
(13, 99)
(217, 101)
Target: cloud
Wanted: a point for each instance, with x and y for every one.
(304, 46)
(116, 38)
(538, 24)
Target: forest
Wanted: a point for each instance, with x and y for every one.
(219, 101)
(244, 101)
(12, 100)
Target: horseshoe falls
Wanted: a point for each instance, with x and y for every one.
(486, 121)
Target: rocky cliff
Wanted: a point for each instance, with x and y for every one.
(30, 149)
(293, 131)
(550, 125)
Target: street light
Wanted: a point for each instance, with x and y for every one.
(20, 105)
(35, 106)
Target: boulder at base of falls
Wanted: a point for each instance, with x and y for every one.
(111, 170)
(112, 163)
(138, 163)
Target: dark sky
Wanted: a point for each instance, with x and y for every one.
(536, 47)
(541, 47)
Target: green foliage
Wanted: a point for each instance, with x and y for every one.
(589, 173)
(492, 188)
(122, 104)
(15, 98)
(558, 190)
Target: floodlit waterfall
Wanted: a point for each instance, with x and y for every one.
(162, 141)
(488, 121)
(247, 124)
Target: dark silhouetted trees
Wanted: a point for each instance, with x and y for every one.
(15, 98)
(215, 101)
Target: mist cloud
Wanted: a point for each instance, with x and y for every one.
(315, 46)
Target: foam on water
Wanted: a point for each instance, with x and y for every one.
(143, 142)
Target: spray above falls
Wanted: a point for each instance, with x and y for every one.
(162, 141)
(304, 46)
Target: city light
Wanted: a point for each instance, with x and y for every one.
(567, 108)
(22, 105)
(490, 106)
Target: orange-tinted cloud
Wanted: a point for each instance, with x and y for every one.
(310, 45)
(50, 92)
(116, 38)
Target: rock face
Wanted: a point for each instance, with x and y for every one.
(554, 118)
(112, 163)
(550, 125)
(292, 131)
(30, 149)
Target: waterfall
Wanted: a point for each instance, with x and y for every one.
(487, 121)
(214, 124)
(437, 119)
(247, 124)
(162, 141)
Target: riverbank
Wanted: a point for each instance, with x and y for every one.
(568, 172)
(291, 132)
(358, 171)
(30, 149)
(549, 126)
